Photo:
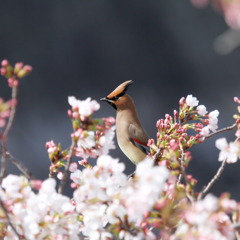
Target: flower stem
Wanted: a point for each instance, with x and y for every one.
(214, 180)
(20, 166)
(66, 173)
(6, 133)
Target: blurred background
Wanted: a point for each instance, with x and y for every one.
(86, 48)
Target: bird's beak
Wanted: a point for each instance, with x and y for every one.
(104, 99)
(109, 101)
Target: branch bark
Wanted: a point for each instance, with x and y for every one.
(6, 133)
(66, 173)
(9, 220)
(213, 181)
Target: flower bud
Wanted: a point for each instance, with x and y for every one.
(182, 101)
(24, 71)
(236, 99)
(3, 71)
(18, 66)
(4, 63)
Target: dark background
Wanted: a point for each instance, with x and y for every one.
(87, 47)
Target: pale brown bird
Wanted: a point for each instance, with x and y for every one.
(131, 136)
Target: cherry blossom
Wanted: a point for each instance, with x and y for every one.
(202, 110)
(85, 107)
(191, 101)
(229, 151)
(38, 215)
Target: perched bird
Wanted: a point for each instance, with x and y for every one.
(131, 136)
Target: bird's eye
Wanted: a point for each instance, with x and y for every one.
(115, 98)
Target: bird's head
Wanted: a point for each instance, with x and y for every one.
(118, 97)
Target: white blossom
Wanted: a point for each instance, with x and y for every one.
(202, 110)
(229, 151)
(42, 214)
(191, 101)
(107, 141)
(85, 107)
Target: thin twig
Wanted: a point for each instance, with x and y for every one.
(66, 173)
(20, 166)
(182, 173)
(213, 181)
(222, 130)
(9, 220)
(157, 155)
(6, 133)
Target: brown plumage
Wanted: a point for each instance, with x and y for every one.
(131, 136)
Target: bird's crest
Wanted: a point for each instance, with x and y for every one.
(120, 90)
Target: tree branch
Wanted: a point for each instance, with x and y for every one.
(214, 180)
(6, 133)
(20, 166)
(9, 220)
(66, 173)
(222, 130)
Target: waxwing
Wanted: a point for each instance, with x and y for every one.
(131, 136)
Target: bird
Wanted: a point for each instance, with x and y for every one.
(131, 136)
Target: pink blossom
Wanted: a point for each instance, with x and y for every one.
(51, 146)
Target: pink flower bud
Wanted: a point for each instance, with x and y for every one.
(109, 121)
(75, 115)
(83, 162)
(189, 177)
(27, 68)
(69, 112)
(19, 65)
(167, 116)
(3, 71)
(150, 142)
(36, 184)
(236, 99)
(175, 113)
(12, 82)
(24, 71)
(182, 101)
(73, 185)
(75, 108)
(4, 63)
(174, 144)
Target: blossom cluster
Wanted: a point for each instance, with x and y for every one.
(106, 196)
(230, 10)
(209, 218)
(91, 137)
(42, 215)
(176, 134)
(14, 73)
(158, 201)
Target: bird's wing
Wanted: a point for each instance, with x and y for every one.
(138, 137)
